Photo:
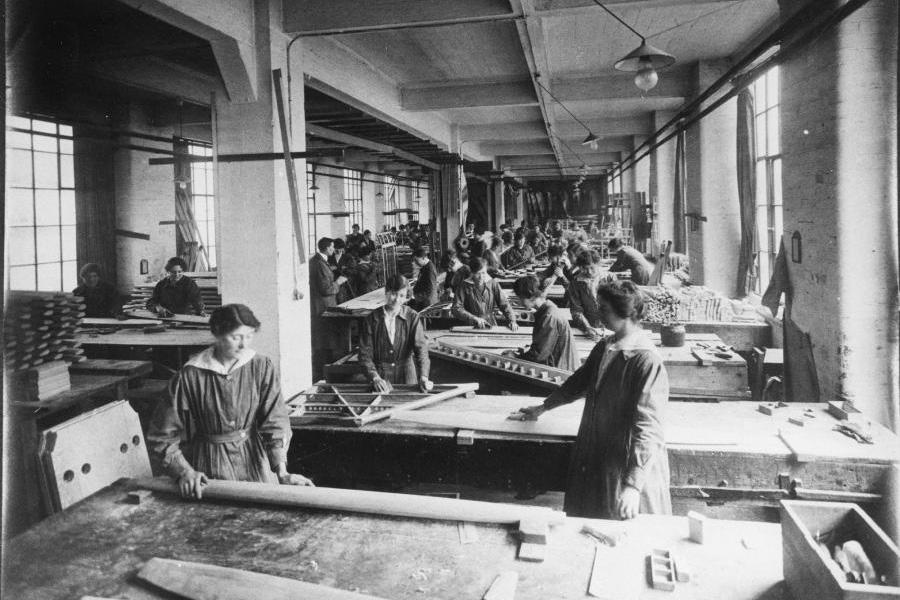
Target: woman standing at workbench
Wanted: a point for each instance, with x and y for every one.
(619, 464)
(227, 400)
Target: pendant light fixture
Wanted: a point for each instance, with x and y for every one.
(643, 60)
(591, 140)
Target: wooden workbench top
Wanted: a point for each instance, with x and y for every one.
(136, 337)
(97, 546)
(735, 427)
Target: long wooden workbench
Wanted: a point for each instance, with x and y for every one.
(689, 376)
(180, 343)
(97, 546)
(727, 454)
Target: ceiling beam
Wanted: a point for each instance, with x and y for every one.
(572, 8)
(534, 47)
(228, 26)
(160, 76)
(351, 140)
(469, 95)
(331, 17)
(519, 130)
(506, 148)
(673, 83)
(548, 159)
(639, 125)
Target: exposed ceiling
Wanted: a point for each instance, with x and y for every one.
(487, 76)
(493, 69)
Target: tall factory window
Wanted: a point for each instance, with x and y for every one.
(40, 205)
(353, 198)
(203, 199)
(768, 173)
(390, 202)
(311, 226)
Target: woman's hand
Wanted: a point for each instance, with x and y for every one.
(629, 502)
(513, 326)
(381, 385)
(294, 479)
(528, 413)
(425, 385)
(595, 334)
(481, 323)
(191, 484)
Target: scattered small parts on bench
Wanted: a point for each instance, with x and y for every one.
(854, 431)
(798, 421)
(844, 411)
(661, 570)
(138, 496)
(696, 526)
(611, 536)
(768, 408)
(503, 587)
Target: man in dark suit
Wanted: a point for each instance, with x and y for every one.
(425, 291)
(323, 287)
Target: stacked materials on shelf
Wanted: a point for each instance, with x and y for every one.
(694, 303)
(38, 332)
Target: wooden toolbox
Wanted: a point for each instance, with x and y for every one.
(810, 572)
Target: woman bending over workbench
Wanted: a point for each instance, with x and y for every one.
(227, 400)
(619, 464)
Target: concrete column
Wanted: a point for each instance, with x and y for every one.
(839, 141)
(662, 181)
(258, 263)
(712, 189)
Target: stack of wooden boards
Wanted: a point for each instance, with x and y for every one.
(38, 341)
(207, 282)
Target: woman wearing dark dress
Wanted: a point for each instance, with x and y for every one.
(226, 402)
(619, 465)
(100, 297)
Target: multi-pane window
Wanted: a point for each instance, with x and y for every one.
(40, 205)
(614, 184)
(203, 199)
(353, 197)
(768, 173)
(390, 202)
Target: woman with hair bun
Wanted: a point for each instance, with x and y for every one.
(226, 403)
(619, 464)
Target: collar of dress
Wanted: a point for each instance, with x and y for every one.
(207, 360)
(633, 343)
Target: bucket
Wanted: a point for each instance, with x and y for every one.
(672, 335)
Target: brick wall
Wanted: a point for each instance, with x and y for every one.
(839, 139)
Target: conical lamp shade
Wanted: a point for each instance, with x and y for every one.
(638, 58)
(590, 139)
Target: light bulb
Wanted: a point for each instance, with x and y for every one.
(646, 78)
(593, 145)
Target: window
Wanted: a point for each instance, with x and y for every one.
(203, 199)
(390, 202)
(40, 205)
(353, 198)
(614, 184)
(768, 174)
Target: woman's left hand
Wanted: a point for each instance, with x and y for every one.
(629, 502)
(294, 479)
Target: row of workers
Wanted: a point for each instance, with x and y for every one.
(226, 418)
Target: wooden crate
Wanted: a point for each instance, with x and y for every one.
(810, 573)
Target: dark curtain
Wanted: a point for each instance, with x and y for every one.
(746, 177)
(679, 233)
(190, 244)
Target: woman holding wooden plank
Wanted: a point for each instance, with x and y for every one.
(619, 464)
(227, 402)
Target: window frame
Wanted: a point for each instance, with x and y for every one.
(353, 198)
(210, 243)
(64, 222)
(769, 165)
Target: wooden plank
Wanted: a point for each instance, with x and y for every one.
(199, 581)
(104, 366)
(358, 501)
(140, 313)
(101, 322)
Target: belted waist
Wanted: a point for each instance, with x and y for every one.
(239, 435)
